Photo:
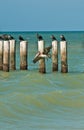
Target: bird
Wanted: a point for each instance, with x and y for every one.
(21, 38)
(6, 37)
(53, 37)
(10, 37)
(39, 37)
(62, 38)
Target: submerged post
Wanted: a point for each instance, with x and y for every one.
(1, 55)
(41, 46)
(63, 52)
(6, 48)
(23, 54)
(54, 54)
(12, 54)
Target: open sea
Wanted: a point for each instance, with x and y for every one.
(52, 101)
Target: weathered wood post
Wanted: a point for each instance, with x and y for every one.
(41, 46)
(23, 53)
(6, 48)
(63, 52)
(1, 55)
(54, 54)
(12, 54)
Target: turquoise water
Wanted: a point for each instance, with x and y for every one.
(52, 101)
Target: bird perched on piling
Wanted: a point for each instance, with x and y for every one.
(53, 38)
(6, 37)
(62, 38)
(39, 37)
(47, 49)
(21, 38)
(10, 37)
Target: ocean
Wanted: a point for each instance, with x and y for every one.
(30, 100)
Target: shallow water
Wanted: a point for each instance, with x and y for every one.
(52, 101)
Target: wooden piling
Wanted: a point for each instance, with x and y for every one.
(54, 55)
(1, 55)
(6, 49)
(12, 54)
(41, 46)
(63, 52)
(23, 55)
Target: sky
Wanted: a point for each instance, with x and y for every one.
(41, 15)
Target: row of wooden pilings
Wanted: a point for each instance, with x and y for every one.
(8, 54)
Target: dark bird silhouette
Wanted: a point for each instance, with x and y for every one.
(53, 38)
(11, 37)
(39, 37)
(5, 37)
(21, 38)
(62, 38)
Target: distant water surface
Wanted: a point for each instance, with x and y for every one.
(52, 101)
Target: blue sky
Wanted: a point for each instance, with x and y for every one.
(41, 15)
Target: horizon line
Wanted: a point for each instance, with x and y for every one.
(44, 31)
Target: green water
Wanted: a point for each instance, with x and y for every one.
(52, 101)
